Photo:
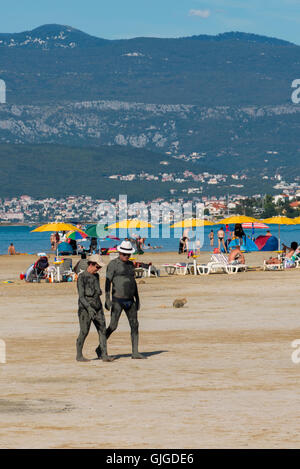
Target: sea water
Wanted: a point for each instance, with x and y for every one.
(31, 243)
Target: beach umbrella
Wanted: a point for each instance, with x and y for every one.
(56, 226)
(76, 235)
(279, 220)
(134, 223)
(236, 219)
(192, 223)
(98, 230)
(255, 226)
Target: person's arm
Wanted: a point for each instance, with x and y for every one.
(81, 293)
(108, 281)
(137, 298)
(107, 294)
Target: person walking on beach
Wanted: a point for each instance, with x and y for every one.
(90, 308)
(120, 276)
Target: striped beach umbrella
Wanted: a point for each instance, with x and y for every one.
(255, 225)
(76, 235)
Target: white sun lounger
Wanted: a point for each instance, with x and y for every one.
(220, 262)
(273, 266)
(179, 268)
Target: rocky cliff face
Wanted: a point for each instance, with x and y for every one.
(176, 128)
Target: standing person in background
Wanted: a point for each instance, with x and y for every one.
(63, 237)
(239, 233)
(93, 245)
(229, 236)
(221, 235)
(183, 245)
(57, 239)
(211, 238)
(53, 241)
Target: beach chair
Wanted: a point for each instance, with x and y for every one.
(183, 268)
(146, 270)
(179, 268)
(139, 272)
(273, 266)
(227, 266)
(66, 269)
(209, 268)
(220, 262)
(170, 269)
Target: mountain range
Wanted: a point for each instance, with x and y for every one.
(228, 96)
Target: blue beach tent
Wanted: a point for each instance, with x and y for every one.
(248, 245)
(267, 243)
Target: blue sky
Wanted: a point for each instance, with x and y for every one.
(112, 19)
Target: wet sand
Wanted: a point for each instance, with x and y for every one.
(219, 372)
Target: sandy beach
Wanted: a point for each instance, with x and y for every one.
(219, 372)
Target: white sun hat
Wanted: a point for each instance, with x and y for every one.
(126, 247)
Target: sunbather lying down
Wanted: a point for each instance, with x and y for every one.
(236, 257)
(153, 269)
(289, 252)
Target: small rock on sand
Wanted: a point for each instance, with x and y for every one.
(179, 302)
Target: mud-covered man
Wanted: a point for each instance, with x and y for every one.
(121, 284)
(90, 307)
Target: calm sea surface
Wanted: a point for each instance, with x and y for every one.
(31, 243)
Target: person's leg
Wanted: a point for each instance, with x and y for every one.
(131, 314)
(115, 313)
(224, 245)
(85, 324)
(99, 322)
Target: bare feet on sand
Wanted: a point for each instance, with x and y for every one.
(82, 359)
(138, 356)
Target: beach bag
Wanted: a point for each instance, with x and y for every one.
(288, 263)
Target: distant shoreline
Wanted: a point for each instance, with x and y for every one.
(17, 224)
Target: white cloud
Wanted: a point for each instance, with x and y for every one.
(200, 13)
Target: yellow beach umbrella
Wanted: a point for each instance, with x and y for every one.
(279, 220)
(192, 223)
(127, 224)
(57, 226)
(236, 219)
